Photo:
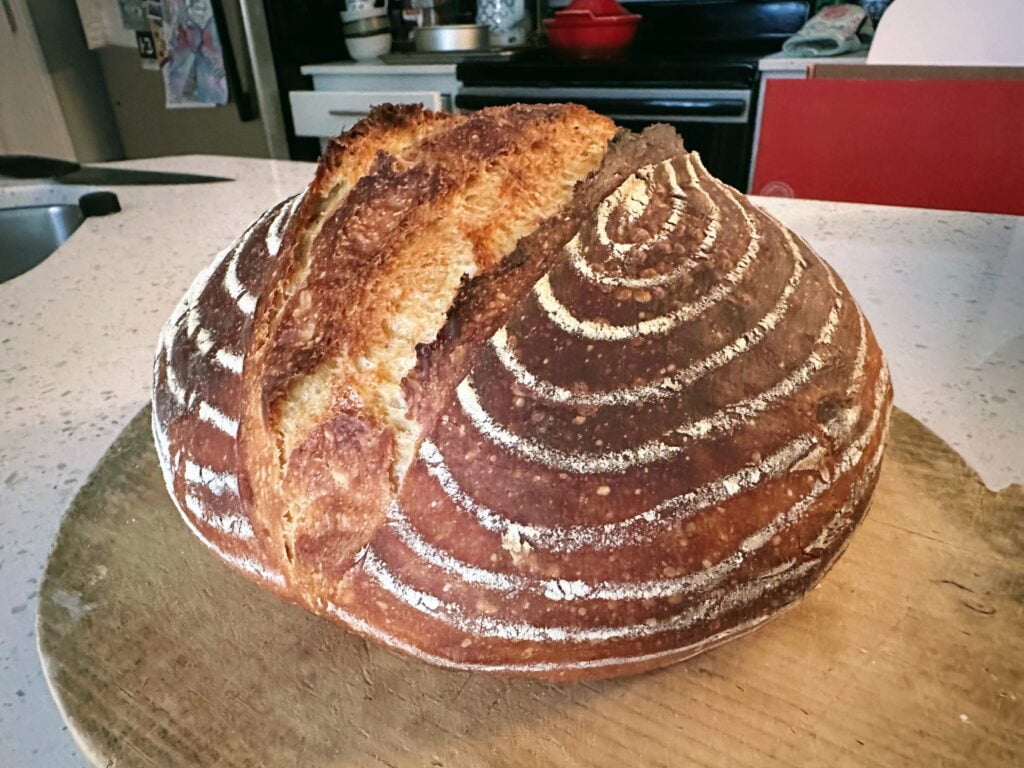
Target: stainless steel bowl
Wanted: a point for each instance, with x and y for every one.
(452, 37)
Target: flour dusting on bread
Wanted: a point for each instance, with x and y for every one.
(515, 393)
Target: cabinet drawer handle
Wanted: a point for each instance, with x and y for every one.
(346, 112)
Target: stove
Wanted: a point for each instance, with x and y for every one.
(652, 69)
(693, 66)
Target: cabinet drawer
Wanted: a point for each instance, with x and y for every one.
(328, 113)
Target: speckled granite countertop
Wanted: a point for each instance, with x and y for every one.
(944, 291)
(77, 335)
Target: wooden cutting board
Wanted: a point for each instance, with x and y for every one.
(910, 653)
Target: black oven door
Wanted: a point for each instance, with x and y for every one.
(717, 123)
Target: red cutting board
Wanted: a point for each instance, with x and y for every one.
(950, 144)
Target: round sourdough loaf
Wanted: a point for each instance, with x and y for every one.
(515, 393)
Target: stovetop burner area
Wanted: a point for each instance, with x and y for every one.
(680, 44)
(693, 65)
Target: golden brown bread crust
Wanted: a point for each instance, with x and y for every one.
(649, 429)
(484, 301)
(395, 196)
(225, 318)
(411, 201)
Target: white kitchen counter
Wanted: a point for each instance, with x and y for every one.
(77, 334)
(944, 291)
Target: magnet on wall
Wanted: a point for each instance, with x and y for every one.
(147, 50)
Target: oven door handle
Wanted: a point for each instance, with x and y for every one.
(653, 106)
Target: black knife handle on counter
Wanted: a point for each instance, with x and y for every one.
(35, 167)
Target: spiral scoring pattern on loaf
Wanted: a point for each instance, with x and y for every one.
(585, 500)
(415, 563)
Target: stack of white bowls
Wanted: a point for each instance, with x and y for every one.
(367, 29)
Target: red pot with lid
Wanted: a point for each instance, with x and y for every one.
(596, 7)
(592, 29)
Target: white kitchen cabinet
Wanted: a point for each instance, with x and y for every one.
(344, 93)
